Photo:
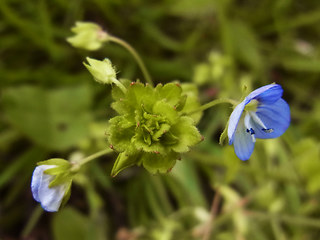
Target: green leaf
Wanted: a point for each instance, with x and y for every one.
(140, 95)
(120, 131)
(192, 102)
(69, 224)
(246, 45)
(55, 119)
(21, 165)
(192, 8)
(187, 134)
(124, 161)
(170, 93)
(158, 162)
(301, 64)
(187, 176)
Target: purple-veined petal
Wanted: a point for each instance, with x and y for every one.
(267, 94)
(275, 116)
(234, 120)
(242, 142)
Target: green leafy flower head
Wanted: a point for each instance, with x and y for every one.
(152, 128)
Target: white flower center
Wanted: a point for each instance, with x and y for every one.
(250, 129)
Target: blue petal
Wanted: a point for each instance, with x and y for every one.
(243, 144)
(234, 120)
(267, 94)
(35, 182)
(275, 116)
(50, 198)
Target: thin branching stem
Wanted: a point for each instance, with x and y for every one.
(135, 55)
(213, 213)
(213, 103)
(94, 156)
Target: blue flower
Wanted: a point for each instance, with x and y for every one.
(266, 115)
(49, 197)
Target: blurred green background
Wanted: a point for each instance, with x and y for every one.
(51, 107)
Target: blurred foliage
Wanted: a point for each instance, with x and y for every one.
(50, 107)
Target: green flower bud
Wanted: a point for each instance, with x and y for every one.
(89, 36)
(102, 71)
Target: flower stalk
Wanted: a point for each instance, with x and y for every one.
(94, 156)
(213, 103)
(135, 55)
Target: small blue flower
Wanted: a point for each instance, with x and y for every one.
(49, 197)
(266, 115)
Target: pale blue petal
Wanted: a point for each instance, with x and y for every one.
(275, 116)
(267, 94)
(243, 144)
(234, 120)
(50, 198)
(35, 182)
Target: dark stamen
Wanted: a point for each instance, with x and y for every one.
(251, 131)
(267, 130)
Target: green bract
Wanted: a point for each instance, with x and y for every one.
(152, 128)
(63, 171)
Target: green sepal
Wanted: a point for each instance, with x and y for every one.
(187, 134)
(61, 179)
(57, 170)
(224, 134)
(124, 161)
(55, 161)
(155, 163)
(67, 194)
